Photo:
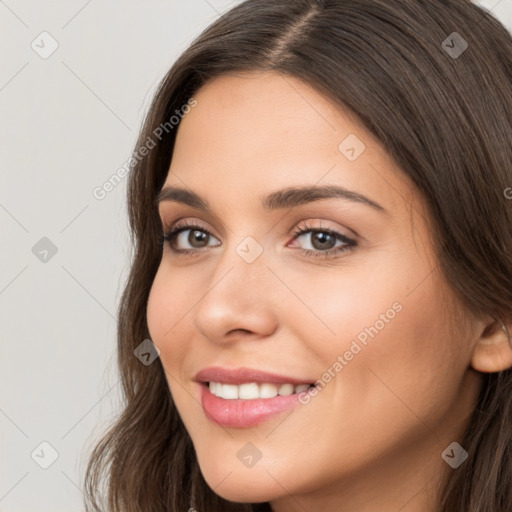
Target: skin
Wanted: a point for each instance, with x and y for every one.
(372, 438)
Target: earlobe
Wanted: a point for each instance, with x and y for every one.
(493, 350)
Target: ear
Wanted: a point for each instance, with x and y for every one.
(493, 349)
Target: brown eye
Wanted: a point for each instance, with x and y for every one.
(194, 236)
(323, 241)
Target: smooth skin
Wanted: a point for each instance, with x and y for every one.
(372, 438)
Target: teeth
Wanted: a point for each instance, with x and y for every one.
(268, 390)
(229, 391)
(252, 390)
(249, 391)
(285, 389)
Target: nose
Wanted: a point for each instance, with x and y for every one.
(240, 300)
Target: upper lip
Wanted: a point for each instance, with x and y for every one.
(244, 375)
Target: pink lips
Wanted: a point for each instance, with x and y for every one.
(239, 412)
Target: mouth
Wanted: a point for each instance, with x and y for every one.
(255, 390)
(249, 404)
(244, 397)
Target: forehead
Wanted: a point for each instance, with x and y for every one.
(253, 133)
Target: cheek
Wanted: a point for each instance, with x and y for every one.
(407, 362)
(381, 339)
(165, 317)
(156, 311)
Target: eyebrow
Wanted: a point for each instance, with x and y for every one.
(285, 198)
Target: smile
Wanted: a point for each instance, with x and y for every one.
(228, 406)
(253, 390)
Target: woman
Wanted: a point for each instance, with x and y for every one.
(323, 266)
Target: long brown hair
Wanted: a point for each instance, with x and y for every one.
(442, 110)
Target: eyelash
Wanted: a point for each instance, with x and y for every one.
(169, 237)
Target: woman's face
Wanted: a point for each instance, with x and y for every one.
(355, 304)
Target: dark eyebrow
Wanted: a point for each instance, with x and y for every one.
(286, 198)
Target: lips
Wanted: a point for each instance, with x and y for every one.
(243, 413)
(245, 375)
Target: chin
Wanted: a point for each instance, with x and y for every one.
(242, 486)
(242, 494)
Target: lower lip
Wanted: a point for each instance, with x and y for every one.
(244, 413)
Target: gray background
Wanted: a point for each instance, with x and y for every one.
(68, 122)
